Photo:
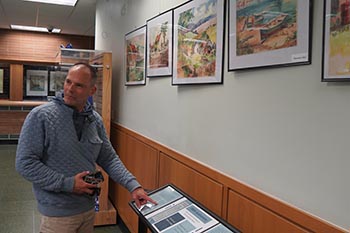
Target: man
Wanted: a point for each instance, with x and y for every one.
(60, 143)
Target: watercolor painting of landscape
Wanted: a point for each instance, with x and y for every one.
(336, 50)
(37, 83)
(266, 29)
(135, 52)
(198, 42)
(266, 25)
(159, 45)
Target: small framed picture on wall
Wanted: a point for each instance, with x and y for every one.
(135, 57)
(57, 80)
(4, 81)
(160, 45)
(37, 83)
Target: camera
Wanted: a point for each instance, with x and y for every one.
(50, 29)
(94, 178)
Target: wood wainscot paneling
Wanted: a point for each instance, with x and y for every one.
(142, 162)
(243, 206)
(250, 217)
(270, 207)
(200, 187)
(118, 194)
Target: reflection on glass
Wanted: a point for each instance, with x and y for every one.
(163, 198)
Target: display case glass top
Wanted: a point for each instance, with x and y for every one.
(68, 57)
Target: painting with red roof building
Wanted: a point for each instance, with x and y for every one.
(135, 51)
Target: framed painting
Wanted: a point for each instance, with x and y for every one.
(4, 81)
(37, 83)
(135, 54)
(1, 81)
(198, 42)
(160, 45)
(336, 32)
(57, 80)
(269, 33)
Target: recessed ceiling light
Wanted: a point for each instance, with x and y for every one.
(36, 29)
(57, 2)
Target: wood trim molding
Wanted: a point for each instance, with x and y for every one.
(21, 103)
(107, 85)
(276, 206)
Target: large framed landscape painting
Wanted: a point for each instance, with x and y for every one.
(135, 55)
(336, 37)
(160, 45)
(269, 33)
(198, 42)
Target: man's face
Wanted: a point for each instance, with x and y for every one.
(78, 87)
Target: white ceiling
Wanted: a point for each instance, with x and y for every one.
(78, 20)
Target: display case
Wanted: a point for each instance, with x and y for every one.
(102, 62)
(176, 211)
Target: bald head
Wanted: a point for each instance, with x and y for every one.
(79, 85)
(89, 68)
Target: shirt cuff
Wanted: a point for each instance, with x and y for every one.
(132, 185)
(68, 184)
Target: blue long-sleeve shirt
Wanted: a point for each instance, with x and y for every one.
(50, 154)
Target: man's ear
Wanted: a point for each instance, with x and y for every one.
(93, 90)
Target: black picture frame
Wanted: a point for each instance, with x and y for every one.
(279, 37)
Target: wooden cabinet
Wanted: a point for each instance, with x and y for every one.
(142, 161)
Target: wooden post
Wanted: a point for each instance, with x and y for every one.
(16, 82)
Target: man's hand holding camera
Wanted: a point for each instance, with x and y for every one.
(87, 183)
